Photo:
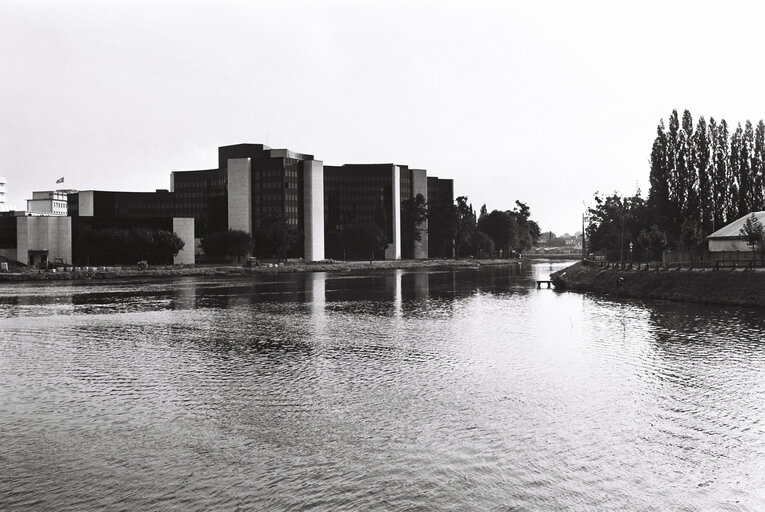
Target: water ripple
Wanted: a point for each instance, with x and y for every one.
(389, 391)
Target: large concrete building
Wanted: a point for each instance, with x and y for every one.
(255, 184)
(253, 189)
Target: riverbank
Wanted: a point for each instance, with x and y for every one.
(89, 273)
(728, 287)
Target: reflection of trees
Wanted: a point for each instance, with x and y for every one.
(706, 325)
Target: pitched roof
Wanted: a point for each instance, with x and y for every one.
(733, 229)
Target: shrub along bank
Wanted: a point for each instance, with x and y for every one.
(728, 286)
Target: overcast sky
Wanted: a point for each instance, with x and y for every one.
(545, 102)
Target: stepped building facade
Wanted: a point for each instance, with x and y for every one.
(252, 186)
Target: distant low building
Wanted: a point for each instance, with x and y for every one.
(48, 202)
(729, 238)
(35, 240)
(4, 205)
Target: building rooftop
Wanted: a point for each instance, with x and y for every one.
(733, 229)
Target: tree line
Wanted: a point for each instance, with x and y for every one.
(702, 176)
(454, 230)
(704, 173)
(499, 233)
(110, 246)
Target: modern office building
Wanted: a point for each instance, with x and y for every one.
(364, 194)
(254, 185)
(253, 189)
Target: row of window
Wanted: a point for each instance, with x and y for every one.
(352, 188)
(357, 179)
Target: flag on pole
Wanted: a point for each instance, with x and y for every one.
(60, 180)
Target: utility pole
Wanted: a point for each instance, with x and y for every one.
(584, 240)
(621, 257)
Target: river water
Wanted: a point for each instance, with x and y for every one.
(395, 390)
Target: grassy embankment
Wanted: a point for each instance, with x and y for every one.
(224, 270)
(730, 287)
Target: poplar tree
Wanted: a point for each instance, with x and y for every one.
(734, 175)
(672, 145)
(758, 167)
(702, 159)
(721, 175)
(746, 181)
(659, 178)
(687, 172)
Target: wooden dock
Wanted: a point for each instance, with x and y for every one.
(541, 282)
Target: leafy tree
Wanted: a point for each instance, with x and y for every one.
(615, 222)
(735, 185)
(223, 244)
(719, 172)
(502, 228)
(414, 213)
(239, 243)
(702, 157)
(653, 241)
(109, 246)
(214, 245)
(758, 168)
(482, 244)
(364, 241)
(691, 234)
(659, 178)
(442, 226)
(276, 237)
(464, 226)
(528, 230)
(753, 232)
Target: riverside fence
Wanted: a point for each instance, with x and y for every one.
(693, 259)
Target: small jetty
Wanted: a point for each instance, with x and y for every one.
(543, 281)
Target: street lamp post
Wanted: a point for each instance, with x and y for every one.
(584, 240)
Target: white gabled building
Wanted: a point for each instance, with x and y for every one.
(729, 238)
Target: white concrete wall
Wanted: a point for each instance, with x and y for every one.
(184, 228)
(85, 200)
(420, 186)
(52, 234)
(240, 194)
(393, 251)
(313, 210)
(729, 245)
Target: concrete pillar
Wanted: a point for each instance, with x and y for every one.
(313, 210)
(393, 251)
(184, 228)
(420, 186)
(22, 240)
(239, 187)
(85, 200)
